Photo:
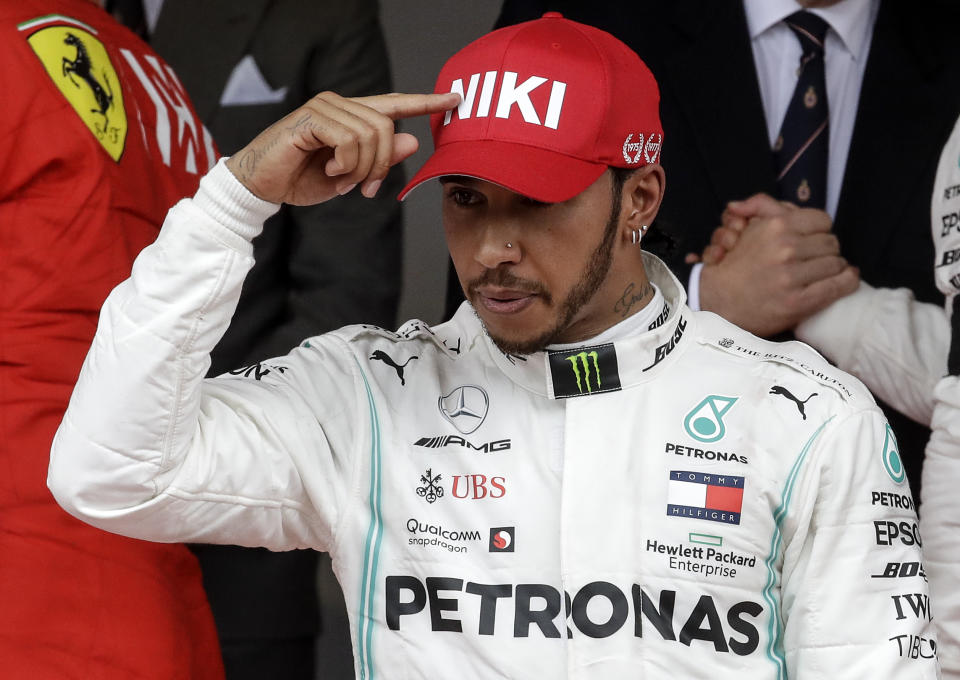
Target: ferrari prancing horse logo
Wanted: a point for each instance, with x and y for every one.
(79, 66)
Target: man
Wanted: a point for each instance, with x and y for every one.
(576, 476)
(729, 69)
(98, 139)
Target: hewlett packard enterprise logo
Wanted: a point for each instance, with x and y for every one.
(584, 371)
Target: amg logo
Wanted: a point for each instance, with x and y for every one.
(455, 440)
(510, 94)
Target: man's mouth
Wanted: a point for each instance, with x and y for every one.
(503, 300)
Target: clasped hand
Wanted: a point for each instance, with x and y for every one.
(772, 264)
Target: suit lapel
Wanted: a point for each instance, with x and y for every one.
(203, 41)
(902, 77)
(712, 79)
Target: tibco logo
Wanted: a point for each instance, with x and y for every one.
(501, 539)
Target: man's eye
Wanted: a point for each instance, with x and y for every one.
(464, 197)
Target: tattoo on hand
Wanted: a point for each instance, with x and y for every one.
(630, 299)
(301, 122)
(248, 163)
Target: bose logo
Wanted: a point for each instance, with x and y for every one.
(510, 94)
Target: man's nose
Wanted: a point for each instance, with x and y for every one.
(498, 246)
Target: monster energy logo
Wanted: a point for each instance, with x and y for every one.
(578, 372)
(582, 359)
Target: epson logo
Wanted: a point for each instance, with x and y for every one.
(455, 440)
(510, 93)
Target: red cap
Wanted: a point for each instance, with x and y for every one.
(547, 106)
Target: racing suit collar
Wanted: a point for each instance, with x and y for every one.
(593, 369)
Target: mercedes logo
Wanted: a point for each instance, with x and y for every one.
(465, 407)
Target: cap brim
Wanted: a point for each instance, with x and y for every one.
(536, 173)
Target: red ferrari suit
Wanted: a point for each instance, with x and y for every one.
(98, 140)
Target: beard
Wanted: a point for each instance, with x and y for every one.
(592, 276)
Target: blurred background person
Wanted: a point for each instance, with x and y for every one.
(92, 160)
(317, 268)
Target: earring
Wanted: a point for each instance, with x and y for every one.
(635, 236)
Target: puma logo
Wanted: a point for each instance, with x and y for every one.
(380, 355)
(784, 392)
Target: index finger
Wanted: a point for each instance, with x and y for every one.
(398, 105)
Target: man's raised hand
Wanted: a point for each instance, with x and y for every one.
(330, 145)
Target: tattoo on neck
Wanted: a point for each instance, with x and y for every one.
(632, 297)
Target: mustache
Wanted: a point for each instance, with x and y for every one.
(505, 279)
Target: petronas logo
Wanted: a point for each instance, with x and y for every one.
(582, 362)
(705, 422)
(891, 458)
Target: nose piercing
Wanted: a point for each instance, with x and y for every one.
(509, 245)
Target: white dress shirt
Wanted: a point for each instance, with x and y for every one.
(776, 54)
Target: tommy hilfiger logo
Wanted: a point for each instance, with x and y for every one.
(709, 496)
(584, 370)
(510, 94)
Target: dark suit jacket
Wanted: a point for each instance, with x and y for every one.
(317, 268)
(716, 147)
(321, 267)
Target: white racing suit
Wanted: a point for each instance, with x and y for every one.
(687, 501)
(899, 348)
(941, 468)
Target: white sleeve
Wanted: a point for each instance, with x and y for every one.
(940, 520)
(894, 344)
(855, 596)
(940, 500)
(149, 449)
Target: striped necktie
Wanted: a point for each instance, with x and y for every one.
(801, 149)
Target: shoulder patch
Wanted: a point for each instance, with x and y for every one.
(729, 339)
(410, 331)
(80, 67)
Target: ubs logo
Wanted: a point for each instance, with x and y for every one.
(465, 408)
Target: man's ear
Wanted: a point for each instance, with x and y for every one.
(642, 195)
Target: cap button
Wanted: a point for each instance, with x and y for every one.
(552, 15)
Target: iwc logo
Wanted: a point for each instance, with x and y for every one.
(465, 408)
(79, 66)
